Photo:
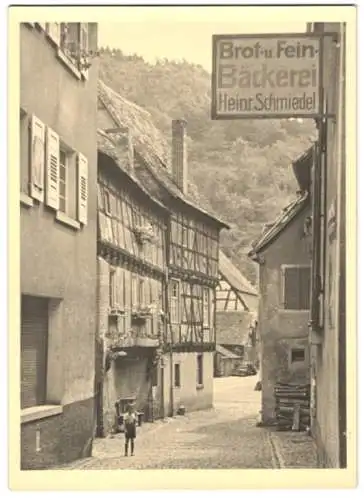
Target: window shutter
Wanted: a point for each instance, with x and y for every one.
(304, 287)
(52, 169)
(54, 32)
(82, 188)
(291, 297)
(84, 46)
(37, 156)
(84, 37)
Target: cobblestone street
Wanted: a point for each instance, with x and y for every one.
(224, 437)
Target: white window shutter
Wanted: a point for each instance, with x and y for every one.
(37, 157)
(54, 32)
(52, 169)
(84, 37)
(84, 46)
(82, 188)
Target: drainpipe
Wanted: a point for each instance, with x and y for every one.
(163, 343)
(167, 322)
(340, 291)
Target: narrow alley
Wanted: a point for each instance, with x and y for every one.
(224, 437)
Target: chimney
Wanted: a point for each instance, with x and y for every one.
(122, 137)
(179, 154)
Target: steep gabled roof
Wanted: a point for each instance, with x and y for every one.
(151, 146)
(233, 327)
(282, 221)
(225, 353)
(302, 169)
(234, 277)
(148, 140)
(107, 146)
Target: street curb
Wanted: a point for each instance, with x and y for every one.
(278, 461)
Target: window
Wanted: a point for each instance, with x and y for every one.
(107, 202)
(58, 176)
(67, 181)
(296, 287)
(134, 292)
(200, 369)
(174, 301)
(141, 292)
(177, 375)
(112, 278)
(185, 236)
(206, 307)
(73, 41)
(34, 338)
(297, 355)
(42, 337)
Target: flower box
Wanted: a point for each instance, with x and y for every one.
(116, 311)
(144, 233)
(147, 341)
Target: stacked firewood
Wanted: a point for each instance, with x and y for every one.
(292, 406)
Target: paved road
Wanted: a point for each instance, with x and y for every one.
(224, 437)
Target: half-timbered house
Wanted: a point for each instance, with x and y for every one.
(236, 313)
(192, 246)
(131, 278)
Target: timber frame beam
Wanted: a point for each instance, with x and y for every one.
(117, 256)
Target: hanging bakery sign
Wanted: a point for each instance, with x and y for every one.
(266, 76)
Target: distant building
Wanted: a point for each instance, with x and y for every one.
(226, 362)
(283, 255)
(58, 165)
(236, 314)
(185, 370)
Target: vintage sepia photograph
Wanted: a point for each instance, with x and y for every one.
(182, 180)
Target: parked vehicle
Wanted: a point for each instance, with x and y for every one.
(246, 370)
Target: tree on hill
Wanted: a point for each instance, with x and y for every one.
(240, 169)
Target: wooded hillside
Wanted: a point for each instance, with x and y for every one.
(241, 168)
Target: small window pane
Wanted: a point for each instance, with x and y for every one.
(200, 369)
(177, 375)
(297, 355)
(297, 288)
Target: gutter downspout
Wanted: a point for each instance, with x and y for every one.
(340, 271)
(167, 322)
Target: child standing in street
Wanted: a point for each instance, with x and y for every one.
(130, 423)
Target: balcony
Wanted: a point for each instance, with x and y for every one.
(118, 340)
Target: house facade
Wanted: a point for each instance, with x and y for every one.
(131, 280)
(58, 162)
(236, 315)
(328, 306)
(185, 370)
(283, 253)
